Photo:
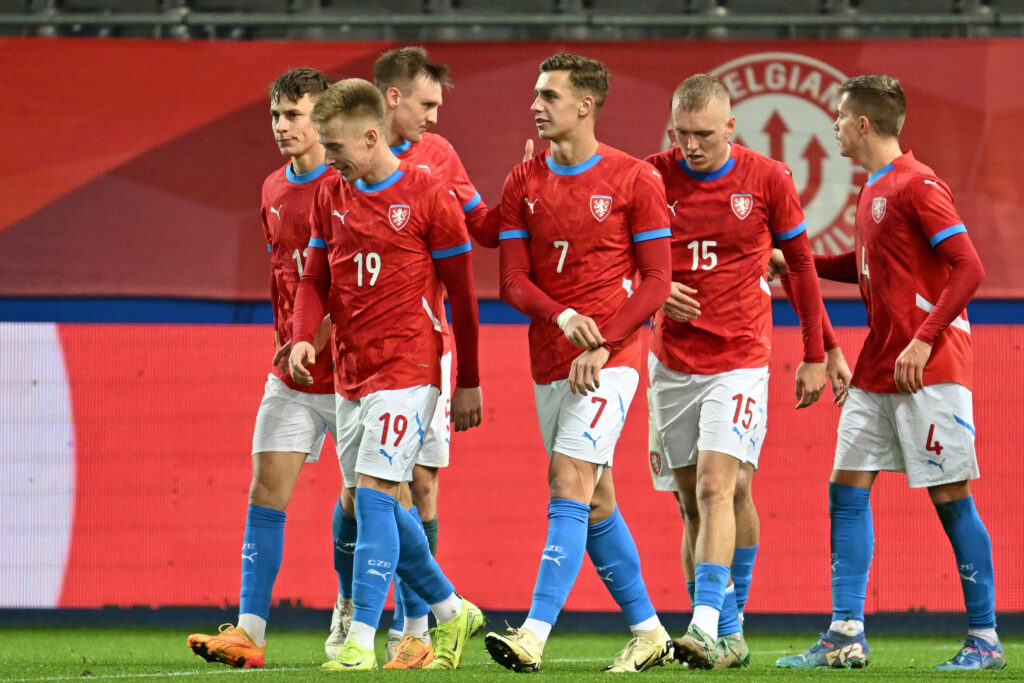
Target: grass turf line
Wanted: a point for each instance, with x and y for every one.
(122, 654)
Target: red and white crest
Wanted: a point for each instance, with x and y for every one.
(600, 206)
(655, 462)
(878, 208)
(741, 204)
(398, 215)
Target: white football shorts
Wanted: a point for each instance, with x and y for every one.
(725, 412)
(382, 433)
(437, 440)
(585, 427)
(929, 435)
(290, 421)
(661, 473)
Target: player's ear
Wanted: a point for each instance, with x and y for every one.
(730, 127)
(393, 96)
(586, 106)
(671, 132)
(371, 137)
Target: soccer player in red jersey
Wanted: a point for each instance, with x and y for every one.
(910, 407)
(709, 362)
(412, 86)
(292, 418)
(384, 239)
(578, 223)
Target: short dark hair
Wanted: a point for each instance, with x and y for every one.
(295, 83)
(880, 98)
(398, 68)
(586, 75)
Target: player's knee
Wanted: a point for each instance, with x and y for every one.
(713, 492)
(269, 494)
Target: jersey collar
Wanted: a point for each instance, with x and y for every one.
(711, 175)
(401, 148)
(380, 185)
(307, 177)
(581, 167)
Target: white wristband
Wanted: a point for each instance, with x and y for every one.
(563, 318)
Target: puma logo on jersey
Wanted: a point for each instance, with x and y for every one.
(277, 211)
(672, 207)
(341, 216)
(531, 204)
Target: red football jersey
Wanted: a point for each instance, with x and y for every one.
(385, 295)
(582, 222)
(903, 211)
(435, 155)
(723, 226)
(284, 212)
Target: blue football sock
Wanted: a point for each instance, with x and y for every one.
(417, 567)
(710, 581)
(973, 550)
(262, 548)
(691, 587)
(407, 603)
(853, 543)
(729, 616)
(562, 557)
(613, 552)
(742, 570)
(344, 529)
(376, 554)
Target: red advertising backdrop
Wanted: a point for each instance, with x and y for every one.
(159, 471)
(136, 166)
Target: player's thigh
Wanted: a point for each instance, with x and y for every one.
(586, 427)
(437, 436)
(935, 428)
(661, 473)
(393, 427)
(348, 436)
(290, 421)
(734, 413)
(866, 438)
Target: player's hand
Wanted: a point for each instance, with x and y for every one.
(528, 154)
(281, 356)
(467, 407)
(582, 331)
(810, 382)
(910, 364)
(301, 358)
(776, 266)
(585, 373)
(680, 306)
(839, 375)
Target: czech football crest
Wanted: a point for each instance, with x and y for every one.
(600, 206)
(655, 462)
(878, 208)
(398, 215)
(741, 205)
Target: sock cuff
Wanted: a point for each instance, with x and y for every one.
(260, 516)
(850, 497)
(744, 555)
(430, 524)
(605, 524)
(705, 570)
(573, 509)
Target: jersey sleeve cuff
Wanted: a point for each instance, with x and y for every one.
(513, 235)
(947, 233)
(652, 234)
(790, 234)
(451, 251)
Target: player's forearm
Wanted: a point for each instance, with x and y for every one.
(483, 224)
(805, 295)
(654, 261)
(963, 282)
(841, 268)
(518, 290)
(456, 273)
(311, 297)
(828, 333)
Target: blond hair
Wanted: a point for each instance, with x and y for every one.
(697, 92)
(352, 98)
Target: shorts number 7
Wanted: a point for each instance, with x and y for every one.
(602, 402)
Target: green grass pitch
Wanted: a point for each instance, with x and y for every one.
(120, 654)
